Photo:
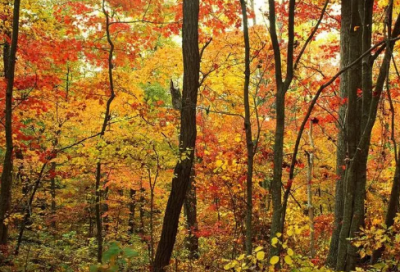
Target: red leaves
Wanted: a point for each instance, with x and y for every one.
(289, 183)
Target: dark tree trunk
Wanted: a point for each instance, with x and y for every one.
(249, 136)
(6, 176)
(190, 208)
(393, 208)
(99, 223)
(341, 143)
(53, 195)
(181, 180)
(281, 89)
(355, 178)
(191, 219)
(190, 202)
(28, 210)
(107, 117)
(132, 206)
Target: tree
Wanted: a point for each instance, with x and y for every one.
(187, 139)
(6, 176)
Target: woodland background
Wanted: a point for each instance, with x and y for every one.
(275, 128)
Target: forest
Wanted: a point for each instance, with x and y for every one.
(200, 135)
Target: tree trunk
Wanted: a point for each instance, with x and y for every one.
(341, 141)
(249, 136)
(355, 178)
(192, 241)
(99, 223)
(190, 202)
(309, 190)
(6, 176)
(181, 180)
(53, 195)
(132, 205)
(393, 208)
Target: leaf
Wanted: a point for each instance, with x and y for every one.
(274, 260)
(129, 252)
(288, 260)
(258, 249)
(260, 255)
(290, 232)
(274, 241)
(290, 252)
(227, 266)
(112, 252)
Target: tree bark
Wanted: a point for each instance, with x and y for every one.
(132, 206)
(6, 176)
(99, 223)
(53, 195)
(192, 241)
(181, 180)
(355, 179)
(249, 136)
(190, 202)
(341, 143)
(310, 174)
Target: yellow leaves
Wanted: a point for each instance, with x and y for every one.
(258, 249)
(274, 241)
(274, 260)
(290, 252)
(288, 260)
(260, 255)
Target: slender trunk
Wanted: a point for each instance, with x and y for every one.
(341, 141)
(28, 210)
(107, 117)
(249, 137)
(181, 180)
(6, 176)
(53, 195)
(132, 206)
(141, 210)
(278, 213)
(393, 208)
(253, 8)
(276, 190)
(309, 190)
(99, 224)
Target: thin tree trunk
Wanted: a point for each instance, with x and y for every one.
(107, 117)
(28, 210)
(341, 141)
(53, 195)
(132, 206)
(99, 224)
(309, 190)
(6, 176)
(393, 208)
(249, 136)
(181, 180)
